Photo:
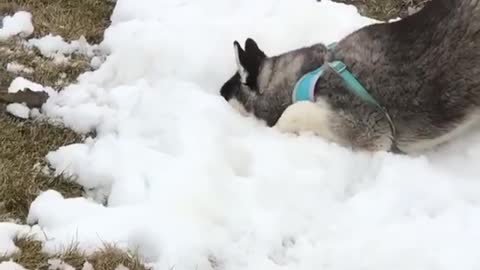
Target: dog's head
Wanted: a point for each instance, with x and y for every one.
(263, 85)
(243, 86)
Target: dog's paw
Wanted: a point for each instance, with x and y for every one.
(306, 117)
(301, 116)
(286, 124)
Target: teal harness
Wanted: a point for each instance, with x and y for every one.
(305, 90)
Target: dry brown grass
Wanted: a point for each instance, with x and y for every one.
(109, 257)
(46, 71)
(24, 144)
(385, 9)
(23, 147)
(68, 18)
(31, 255)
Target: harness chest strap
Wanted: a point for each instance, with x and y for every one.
(305, 91)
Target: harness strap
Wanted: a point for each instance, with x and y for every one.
(305, 90)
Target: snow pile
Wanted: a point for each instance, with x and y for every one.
(194, 185)
(18, 24)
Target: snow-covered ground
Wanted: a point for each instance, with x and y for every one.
(195, 185)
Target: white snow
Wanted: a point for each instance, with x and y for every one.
(57, 264)
(9, 265)
(96, 62)
(194, 185)
(87, 266)
(16, 68)
(19, 110)
(18, 24)
(55, 46)
(20, 83)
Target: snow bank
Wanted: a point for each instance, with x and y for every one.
(194, 185)
(18, 24)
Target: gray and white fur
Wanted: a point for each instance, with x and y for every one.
(425, 69)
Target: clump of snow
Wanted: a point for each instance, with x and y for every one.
(16, 68)
(20, 83)
(10, 231)
(96, 62)
(87, 266)
(56, 47)
(121, 267)
(35, 113)
(60, 59)
(192, 184)
(57, 264)
(19, 110)
(18, 24)
(10, 265)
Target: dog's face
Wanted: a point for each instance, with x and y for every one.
(263, 85)
(242, 87)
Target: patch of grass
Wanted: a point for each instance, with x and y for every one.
(110, 257)
(23, 147)
(24, 144)
(45, 70)
(31, 256)
(72, 255)
(385, 9)
(67, 18)
(70, 19)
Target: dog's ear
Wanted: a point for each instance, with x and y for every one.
(252, 48)
(241, 59)
(248, 62)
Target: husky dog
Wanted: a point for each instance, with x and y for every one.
(424, 70)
